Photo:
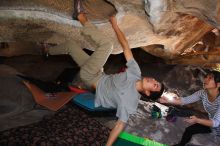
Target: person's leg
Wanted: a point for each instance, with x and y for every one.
(191, 130)
(92, 69)
(72, 48)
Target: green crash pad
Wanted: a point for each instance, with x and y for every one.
(127, 139)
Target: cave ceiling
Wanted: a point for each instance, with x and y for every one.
(179, 31)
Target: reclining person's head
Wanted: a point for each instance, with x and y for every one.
(152, 89)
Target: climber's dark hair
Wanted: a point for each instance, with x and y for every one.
(154, 95)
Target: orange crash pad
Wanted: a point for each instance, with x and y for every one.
(53, 101)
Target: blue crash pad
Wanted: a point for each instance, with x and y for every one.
(87, 101)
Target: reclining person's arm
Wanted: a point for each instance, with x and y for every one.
(121, 38)
(119, 126)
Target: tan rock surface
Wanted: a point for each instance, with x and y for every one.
(163, 28)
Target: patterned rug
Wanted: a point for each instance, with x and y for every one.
(68, 127)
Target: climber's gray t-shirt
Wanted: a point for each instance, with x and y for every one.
(119, 91)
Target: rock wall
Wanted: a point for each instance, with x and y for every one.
(165, 28)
